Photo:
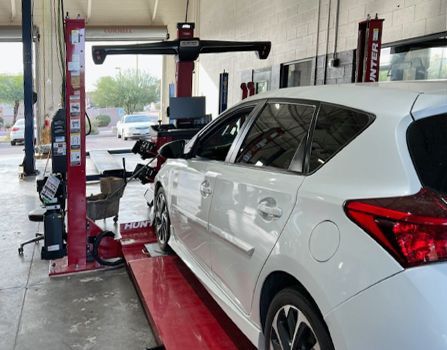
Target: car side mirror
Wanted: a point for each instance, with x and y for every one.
(174, 149)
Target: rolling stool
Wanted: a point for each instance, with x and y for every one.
(35, 215)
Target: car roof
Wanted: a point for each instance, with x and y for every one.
(389, 98)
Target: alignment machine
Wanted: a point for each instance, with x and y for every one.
(184, 110)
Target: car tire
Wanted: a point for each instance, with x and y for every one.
(13, 143)
(288, 312)
(118, 135)
(125, 138)
(162, 221)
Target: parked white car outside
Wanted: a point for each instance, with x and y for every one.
(17, 133)
(317, 217)
(135, 125)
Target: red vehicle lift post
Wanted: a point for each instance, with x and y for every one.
(369, 45)
(81, 231)
(184, 69)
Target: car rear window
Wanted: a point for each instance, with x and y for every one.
(427, 143)
(335, 128)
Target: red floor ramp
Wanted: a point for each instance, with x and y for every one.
(134, 235)
(182, 313)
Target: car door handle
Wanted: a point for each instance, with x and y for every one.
(205, 189)
(268, 211)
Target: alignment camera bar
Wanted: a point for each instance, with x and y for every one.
(186, 50)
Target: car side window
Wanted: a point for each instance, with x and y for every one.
(216, 144)
(335, 128)
(276, 135)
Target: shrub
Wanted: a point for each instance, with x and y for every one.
(102, 120)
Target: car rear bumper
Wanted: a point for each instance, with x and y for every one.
(16, 136)
(406, 311)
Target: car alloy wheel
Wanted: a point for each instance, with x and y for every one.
(294, 322)
(291, 330)
(161, 219)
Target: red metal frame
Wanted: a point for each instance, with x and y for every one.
(181, 312)
(184, 69)
(244, 90)
(76, 179)
(369, 45)
(251, 88)
(79, 227)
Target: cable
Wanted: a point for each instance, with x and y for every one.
(95, 252)
(186, 14)
(327, 44)
(317, 42)
(337, 15)
(89, 124)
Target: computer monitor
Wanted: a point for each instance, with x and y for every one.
(187, 107)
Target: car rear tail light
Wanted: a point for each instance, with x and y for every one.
(15, 128)
(412, 228)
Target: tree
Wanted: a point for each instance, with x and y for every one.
(11, 91)
(130, 90)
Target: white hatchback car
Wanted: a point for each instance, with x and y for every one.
(317, 216)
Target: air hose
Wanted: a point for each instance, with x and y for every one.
(89, 124)
(95, 252)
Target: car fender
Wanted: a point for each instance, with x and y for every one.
(163, 179)
(356, 263)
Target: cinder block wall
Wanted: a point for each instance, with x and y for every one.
(298, 29)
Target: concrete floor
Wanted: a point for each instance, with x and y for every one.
(96, 310)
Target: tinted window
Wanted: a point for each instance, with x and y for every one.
(428, 149)
(335, 128)
(216, 144)
(276, 135)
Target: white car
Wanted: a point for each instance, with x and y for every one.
(135, 125)
(17, 133)
(317, 216)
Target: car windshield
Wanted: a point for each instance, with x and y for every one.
(140, 119)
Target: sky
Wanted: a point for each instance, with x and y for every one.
(11, 63)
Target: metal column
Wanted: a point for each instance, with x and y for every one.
(27, 40)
